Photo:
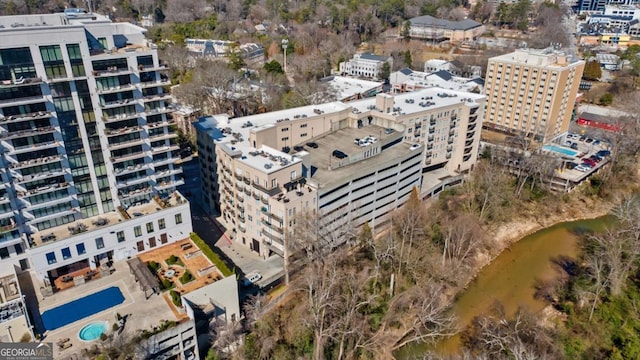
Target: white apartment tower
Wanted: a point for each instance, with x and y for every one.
(87, 146)
(532, 92)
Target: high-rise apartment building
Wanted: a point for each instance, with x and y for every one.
(88, 153)
(350, 163)
(532, 92)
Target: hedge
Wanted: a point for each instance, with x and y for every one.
(175, 298)
(209, 253)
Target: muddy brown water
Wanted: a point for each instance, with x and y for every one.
(510, 279)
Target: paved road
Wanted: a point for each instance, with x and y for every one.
(215, 234)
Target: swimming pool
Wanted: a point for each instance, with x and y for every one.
(92, 331)
(81, 308)
(561, 150)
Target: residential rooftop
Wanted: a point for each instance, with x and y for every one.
(548, 57)
(442, 79)
(418, 101)
(346, 87)
(105, 220)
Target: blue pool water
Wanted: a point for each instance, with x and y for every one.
(92, 331)
(81, 308)
(561, 150)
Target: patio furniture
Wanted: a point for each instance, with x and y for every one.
(62, 341)
(170, 273)
(67, 278)
(65, 345)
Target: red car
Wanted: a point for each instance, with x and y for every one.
(589, 162)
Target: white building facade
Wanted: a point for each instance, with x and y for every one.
(85, 136)
(365, 65)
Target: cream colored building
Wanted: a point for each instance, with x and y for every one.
(14, 320)
(532, 92)
(430, 28)
(351, 163)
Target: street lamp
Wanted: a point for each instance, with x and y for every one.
(285, 44)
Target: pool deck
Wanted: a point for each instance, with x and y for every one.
(143, 314)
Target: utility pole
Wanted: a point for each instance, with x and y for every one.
(285, 44)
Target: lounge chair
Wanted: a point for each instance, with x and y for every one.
(62, 341)
(65, 346)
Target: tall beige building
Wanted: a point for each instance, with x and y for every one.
(532, 92)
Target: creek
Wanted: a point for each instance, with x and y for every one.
(511, 277)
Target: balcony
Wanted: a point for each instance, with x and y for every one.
(117, 103)
(120, 117)
(25, 133)
(162, 136)
(161, 149)
(25, 117)
(122, 131)
(160, 110)
(169, 160)
(157, 97)
(25, 100)
(272, 237)
(130, 169)
(169, 184)
(271, 192)
(273, 226)
(126, 144)
(135, 193)
(21, 81)
(116, 89)
(112, 71)
(273, 216)
(450, 140)
(144, 68)
(169, 172)
(35, 162)
(50, 202)
(125, 157)
(154, 83)
(34, 147)
(132, 182)
(39, 176)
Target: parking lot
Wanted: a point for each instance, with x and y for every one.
(582, 155)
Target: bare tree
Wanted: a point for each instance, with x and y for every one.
(408, 223)
(462, 238)
(420, 314)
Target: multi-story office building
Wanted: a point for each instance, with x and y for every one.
(88, 154)
(350, 163)
(598, 6)
(532, 92)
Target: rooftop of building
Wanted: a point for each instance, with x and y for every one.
(346, 87)
(442, 79)
(430, 21)
(222, 294)
(548, 57)
(328, 170)
(9, 288)
(418, 101)
(370, 56)
(96, 222)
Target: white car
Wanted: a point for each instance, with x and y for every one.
(582, 168)
(251, 279)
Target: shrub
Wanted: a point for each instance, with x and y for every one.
(175, 298)
(167, 284)
(114, 327)
(174, 260)
(153, 266)
(186, 277)
(25, 338)
(211, 255)
(103, 336)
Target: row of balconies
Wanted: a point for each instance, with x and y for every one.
(23, 133)
(24, 117)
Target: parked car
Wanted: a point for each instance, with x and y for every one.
(574, 146)
(589, 140)
(597, 142)
(339, 154)
(583, 138)
(589, 162)
(582, 168)
(595, 158)
(604, 153)
(388, 131)
(571, 165)
(312, 145)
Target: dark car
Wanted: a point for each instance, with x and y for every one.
(574, 146)
(589, 141)
(339, 154)
(571, 165)
(595, 158)
(298, 148)
(583, 138)
(604, 153)
(312, 145)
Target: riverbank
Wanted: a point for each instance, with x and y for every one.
(540, 217)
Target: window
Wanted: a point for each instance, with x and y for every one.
(137, 230)
(19, 249)
(293, 175)
(163, 238)
(149, 227)
(161, 224)
(120, 236)
(178, 219)
(66, 253)
(99, 243)
(303, 134)
(51, 258)
(140, 245)
(80, 249)
(303, 125)
(152, 241)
